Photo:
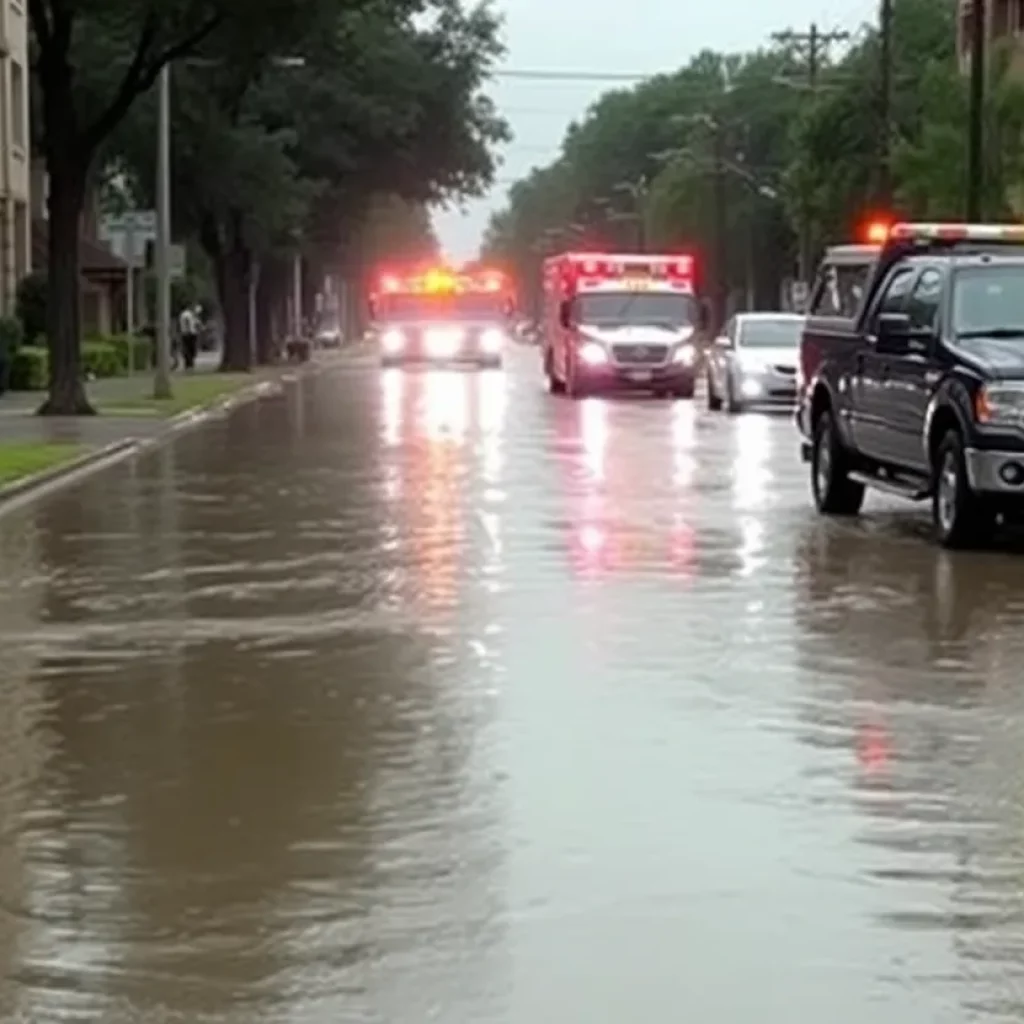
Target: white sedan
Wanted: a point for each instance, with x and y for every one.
(754, 362)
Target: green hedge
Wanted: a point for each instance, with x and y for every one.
(30, 369)
(108, 357)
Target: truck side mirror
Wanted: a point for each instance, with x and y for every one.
(893, 333)
(565, 314)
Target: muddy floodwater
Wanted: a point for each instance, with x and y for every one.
(412, 697)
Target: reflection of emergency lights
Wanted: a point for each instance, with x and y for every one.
(873, 748)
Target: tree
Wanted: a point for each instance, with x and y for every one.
(131, 40)
(272, 160)
(795, 161)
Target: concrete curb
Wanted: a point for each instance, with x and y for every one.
(40, 485)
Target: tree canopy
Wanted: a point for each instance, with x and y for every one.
(282, 154)
(800, 151)
(289, 117)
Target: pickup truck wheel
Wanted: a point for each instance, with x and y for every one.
(834, 492)
(714, 402)
(732, 404)
(962, 519)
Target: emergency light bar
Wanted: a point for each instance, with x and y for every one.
(605, 267)
(908, 232)
(439, 281)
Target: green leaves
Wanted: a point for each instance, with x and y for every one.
(797, 160)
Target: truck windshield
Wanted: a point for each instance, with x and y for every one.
(765, 333)
(989, 300)
(482, 306)
(655, 309)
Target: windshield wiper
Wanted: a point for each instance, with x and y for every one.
(993, 332)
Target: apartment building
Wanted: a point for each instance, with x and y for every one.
(1004, 20)
(15, 150)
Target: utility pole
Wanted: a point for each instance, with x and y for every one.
(816, 45)
(721, 293)
(976, 139)
(162, 379)
(885, 108)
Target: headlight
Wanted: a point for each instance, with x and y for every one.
(685, 354)
(1000, 405)
(593, 354)
(393, 341)
(492, 340)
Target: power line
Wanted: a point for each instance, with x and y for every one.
(816, 46)
(544, 75)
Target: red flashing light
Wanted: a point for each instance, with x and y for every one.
(390, 283)
(877, 232)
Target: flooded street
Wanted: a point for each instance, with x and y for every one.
(426, 696)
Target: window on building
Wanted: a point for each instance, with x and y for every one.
(1018, 17)
(19, 106)
(22, 265)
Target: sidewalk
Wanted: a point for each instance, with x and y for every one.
(125, 406)
(41, 448)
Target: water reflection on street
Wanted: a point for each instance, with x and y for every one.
(427, 696)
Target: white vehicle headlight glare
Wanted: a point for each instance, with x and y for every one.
(1001, 404)
(685, 354)
(393, 340)
(593, 354)
(492, 340)
(444, 342)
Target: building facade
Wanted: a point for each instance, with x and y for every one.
(15, 151)
(1004, 22)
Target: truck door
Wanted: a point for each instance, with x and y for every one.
(910, 373)
(871, 384)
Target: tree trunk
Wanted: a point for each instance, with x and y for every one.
(265, 333)
(67, 395)
(233, 276)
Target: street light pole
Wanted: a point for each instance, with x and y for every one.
(162, 380)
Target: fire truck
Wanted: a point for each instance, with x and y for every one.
(621, 322)
(442, 317)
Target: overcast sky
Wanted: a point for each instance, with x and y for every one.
(613, 36)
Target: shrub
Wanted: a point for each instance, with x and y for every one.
(133, 353)
(30, 369)
(101, 359)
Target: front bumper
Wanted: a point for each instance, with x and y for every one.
(632, 378)
(765, 388)
(418, 357)
(995, 472)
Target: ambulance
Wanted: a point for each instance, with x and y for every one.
(439, 316)
(621, 322)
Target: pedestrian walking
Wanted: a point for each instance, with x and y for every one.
(188, 331)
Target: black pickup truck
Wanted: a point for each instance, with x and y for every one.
(912, 375)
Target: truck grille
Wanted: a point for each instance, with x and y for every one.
(640, 355)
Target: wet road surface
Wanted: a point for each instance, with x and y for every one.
(428, 696)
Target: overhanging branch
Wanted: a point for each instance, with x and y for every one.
(141, 75)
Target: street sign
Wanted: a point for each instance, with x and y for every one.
(127, 234)
(139, 221)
